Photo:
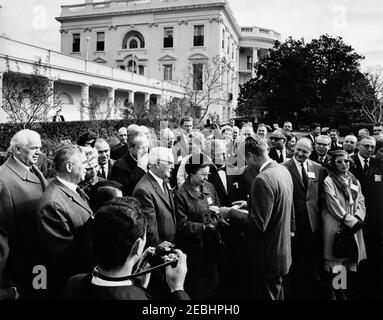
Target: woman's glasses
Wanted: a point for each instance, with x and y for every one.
(346, 161)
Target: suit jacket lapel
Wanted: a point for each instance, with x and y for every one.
(216, 179)
(74, 196)
(41, 177)
(160, 193)
(22, 172)
(295, 172)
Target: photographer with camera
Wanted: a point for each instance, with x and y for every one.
(119, 237)
(198, 228)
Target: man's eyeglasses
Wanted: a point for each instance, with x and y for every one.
(368, 146)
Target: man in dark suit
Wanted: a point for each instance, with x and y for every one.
(130, 168)
(308, 178)
(63, 219)
(58, 117)
(21, 188)
(104, 161)
(322, 147)
(314, 132)
(278, 151)
(117, 217)
(183, 137)
(363, 161)
(120, 149)
(364, 169)
(226, 180)
(156, 199)
(334, 136)
(269, 215)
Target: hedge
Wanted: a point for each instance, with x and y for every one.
(72, 129)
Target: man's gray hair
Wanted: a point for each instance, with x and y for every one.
(323, 136)
(100, 141)
(160, 153)
(22, 139)
(64, 155)
(371, 138)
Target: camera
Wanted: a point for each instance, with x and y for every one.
(155, 256)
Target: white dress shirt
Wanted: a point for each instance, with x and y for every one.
(299, 167)
(68, 184)
(361, 159)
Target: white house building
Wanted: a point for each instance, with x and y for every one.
(166, 40)
(142, 51)
(74, 80)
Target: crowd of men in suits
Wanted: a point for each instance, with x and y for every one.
(269, 186)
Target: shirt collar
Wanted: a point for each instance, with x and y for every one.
(298, 164)
(266, 164)
(159, 180)
(104, 283)
(68, 184)
(22, 164)
(361, 159)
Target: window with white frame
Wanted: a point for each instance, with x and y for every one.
(168, 37)
(168, 72)
(198, 36)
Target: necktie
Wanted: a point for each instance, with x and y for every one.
(166, 192)
(304, 176)
(280, 157)
(365, 168)
(103, 174)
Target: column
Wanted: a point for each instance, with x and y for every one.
(111, 105)
(146, 100)
(131, 97)
(84, 100)
(255, 59)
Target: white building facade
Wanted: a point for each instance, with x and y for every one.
(165, 40)
(75, 80)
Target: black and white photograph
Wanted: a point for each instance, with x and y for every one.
(213, 152)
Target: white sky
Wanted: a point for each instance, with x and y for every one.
(360, 23)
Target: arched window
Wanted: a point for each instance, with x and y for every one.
(127, 40)
(65, 98)
(133, 44)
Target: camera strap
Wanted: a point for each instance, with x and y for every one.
(97, 274)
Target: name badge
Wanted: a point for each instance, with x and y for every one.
(378, 178)
(311, 175)
(354, 187)
(236, 185)
(209, 201)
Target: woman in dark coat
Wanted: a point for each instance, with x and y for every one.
(198, 228)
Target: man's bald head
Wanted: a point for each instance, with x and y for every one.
(303, 150)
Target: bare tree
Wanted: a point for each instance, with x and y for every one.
(204, 86)
(368, 93)
(28, 98)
